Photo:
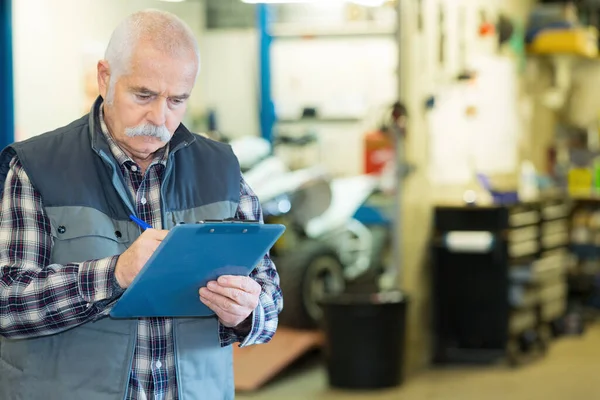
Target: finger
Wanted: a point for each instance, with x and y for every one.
(243, 283)
(223, 303)
(155, 234)
(159, 235)
(150, 245)
(225, 318)
(155, 245)
(238, 296)
(212, 306)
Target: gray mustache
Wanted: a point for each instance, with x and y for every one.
(159, 132)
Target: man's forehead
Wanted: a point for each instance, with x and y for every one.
(159, 80)
(155, 76)
(150, 55)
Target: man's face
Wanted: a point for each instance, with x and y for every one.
(149, 100)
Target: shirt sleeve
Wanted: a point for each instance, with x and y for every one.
(260, 327)
(38, 298)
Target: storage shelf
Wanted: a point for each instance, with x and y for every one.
(472, 312)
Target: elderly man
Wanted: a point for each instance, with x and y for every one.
(68, 249)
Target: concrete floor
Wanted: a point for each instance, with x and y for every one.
(571, 369)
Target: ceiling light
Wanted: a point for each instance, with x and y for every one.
(369, 3)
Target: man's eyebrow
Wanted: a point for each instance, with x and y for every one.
(184, 96)
(145, 90)
(142, 90)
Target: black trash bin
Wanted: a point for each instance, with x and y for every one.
(364, 339)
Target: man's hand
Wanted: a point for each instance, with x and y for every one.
(131, 262)
(232, 298)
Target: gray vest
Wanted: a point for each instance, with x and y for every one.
(85, 195)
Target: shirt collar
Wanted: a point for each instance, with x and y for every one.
(160, 156)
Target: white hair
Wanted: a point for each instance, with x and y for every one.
(162, 30)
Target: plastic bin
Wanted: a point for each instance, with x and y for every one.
(364, 339)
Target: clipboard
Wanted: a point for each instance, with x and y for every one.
(188, 258)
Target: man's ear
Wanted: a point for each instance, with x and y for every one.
(103, 78)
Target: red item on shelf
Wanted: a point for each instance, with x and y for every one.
(379, 150)
(486, 29)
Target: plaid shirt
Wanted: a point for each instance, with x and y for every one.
(38, 299)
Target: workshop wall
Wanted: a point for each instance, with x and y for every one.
(56, 44)
(349, 90)
(230, 79)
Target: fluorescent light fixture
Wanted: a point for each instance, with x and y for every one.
(369, 3)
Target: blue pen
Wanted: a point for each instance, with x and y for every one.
(141, 224)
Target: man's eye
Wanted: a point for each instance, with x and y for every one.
(177, 101)
(143, 96)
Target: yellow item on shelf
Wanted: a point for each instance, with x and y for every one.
(576, 41)
(580, 182)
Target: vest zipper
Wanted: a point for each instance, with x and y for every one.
(163, 207)
(120, 188)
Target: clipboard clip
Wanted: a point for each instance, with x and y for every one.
(226, 220)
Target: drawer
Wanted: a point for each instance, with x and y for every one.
(552, 227)
(545, 269)
(521, 320)
(556, 255)
(470, 219)
(559, 239)
(523, 217)
(556, 211)
(523, 234)
(553, 291)
(523, 249)
(553, 310)
(485, 218)
(521, 296)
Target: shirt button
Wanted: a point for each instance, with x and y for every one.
(134, 168)
(143, 200)
(158, 364)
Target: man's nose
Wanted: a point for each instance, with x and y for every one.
(158, 113)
